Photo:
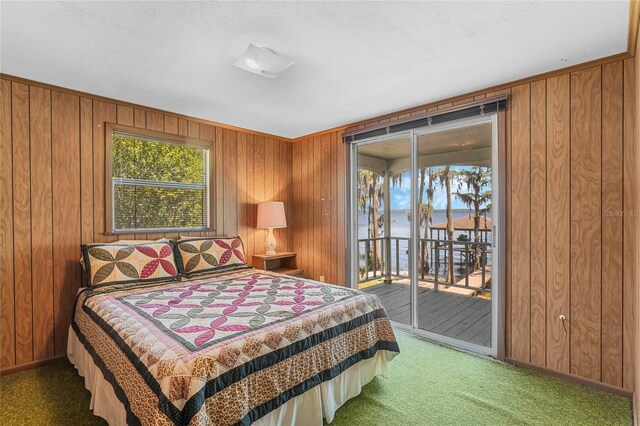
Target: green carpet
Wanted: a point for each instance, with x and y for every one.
(429, 385)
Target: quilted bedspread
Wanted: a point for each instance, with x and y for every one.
(226, 349)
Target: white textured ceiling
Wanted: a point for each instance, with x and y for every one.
(354, 60)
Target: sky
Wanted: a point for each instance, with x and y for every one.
(401, 196)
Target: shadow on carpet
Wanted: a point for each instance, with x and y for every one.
(428, 385)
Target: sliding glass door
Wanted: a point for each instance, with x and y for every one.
(424, 229)
(382, 206)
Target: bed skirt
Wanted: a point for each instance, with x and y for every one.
(310, 408)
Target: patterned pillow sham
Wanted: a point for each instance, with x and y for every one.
(120, 263)
(209, 254)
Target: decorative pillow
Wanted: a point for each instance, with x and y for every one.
(118, 263)
(211, 254)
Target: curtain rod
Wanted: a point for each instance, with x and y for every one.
(488, 105)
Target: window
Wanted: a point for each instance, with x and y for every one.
(156, 181)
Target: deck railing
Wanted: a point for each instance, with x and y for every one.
(433, 265)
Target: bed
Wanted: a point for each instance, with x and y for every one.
(236, 347)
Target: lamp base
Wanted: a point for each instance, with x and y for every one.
(270, 243)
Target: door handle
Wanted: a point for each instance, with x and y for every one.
(493, 237)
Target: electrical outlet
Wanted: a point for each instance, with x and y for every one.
(321, 278)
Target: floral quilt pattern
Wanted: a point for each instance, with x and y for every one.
(201, 255)
(120, 263)
(198, 314)
(225, 349)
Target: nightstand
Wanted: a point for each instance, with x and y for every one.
(282, 263)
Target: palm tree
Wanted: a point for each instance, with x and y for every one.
(425, 213)
(475, 180)
(370, 197)
(445, 177)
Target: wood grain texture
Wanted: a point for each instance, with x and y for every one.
(54, 181)
(558, 223)
(65, 133)
(241, 186)
(259, 235)
(103, 112)
(631, 225)
(86, 170)
(251, 208)
(229, 166)
(333, 210)
(219, 173)
(41, 222)
(521, 223)
(586, 212)
(317, 207)
(538, 223)
(341, 191)
(325, 207)
(7, 290)
(612, 249)
(302, 198)
(542, 283)
(22, 223)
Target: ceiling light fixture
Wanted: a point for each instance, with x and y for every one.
(263, 61)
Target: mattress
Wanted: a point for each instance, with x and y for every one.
(239, 348)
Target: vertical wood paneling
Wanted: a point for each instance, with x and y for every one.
(521, 222)
(538, 222)
(558, 222)
(251, 199)
(139, 118)
(125, 115)
(586, 211)
(304, 226)
(543, 175)
(229, 167)
(317, 207)
(612, 224)
(86, 170)
(41, 222)
(333, 212)
(22, 222)
(103, 112)
(631, 204)
(220, 177)
(289, 190)
(7, 294)
(155, 121)
(183, 127)
(342, 183)
(171, 124)
(259, 187)
(241, 186)
(295, 201)
(325, 206)
(52, 179)
(65, 133)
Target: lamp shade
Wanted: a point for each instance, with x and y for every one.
(271, 215)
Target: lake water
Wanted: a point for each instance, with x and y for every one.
(400, 227)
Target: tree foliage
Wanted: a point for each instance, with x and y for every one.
(145, 206)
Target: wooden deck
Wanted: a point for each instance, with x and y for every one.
(464, 318)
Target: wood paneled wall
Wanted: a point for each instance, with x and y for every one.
(571, 173)
(52, 153)
(319, 217)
